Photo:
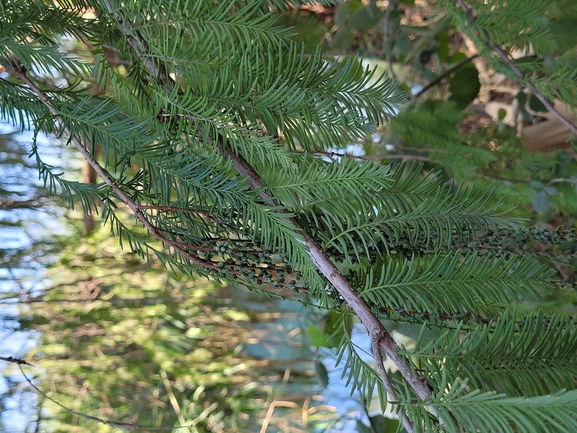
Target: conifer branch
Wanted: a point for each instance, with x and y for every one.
(189, 133)
(377, 332)
(511, 65)
(107, 178)
(322, 262)
(137, 209)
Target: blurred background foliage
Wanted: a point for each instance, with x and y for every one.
(122, 339)
(125, 341)
(476, 125)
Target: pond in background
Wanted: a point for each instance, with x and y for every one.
(32, 227)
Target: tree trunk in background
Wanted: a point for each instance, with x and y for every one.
(88, 173)
(88, 176)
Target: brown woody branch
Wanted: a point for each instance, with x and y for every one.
(377, 332)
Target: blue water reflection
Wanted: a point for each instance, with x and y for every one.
(29, 221)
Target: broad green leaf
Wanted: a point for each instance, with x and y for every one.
(321, 373)
(464, 86)
(318, 338)
(536, 105)
(363, 19)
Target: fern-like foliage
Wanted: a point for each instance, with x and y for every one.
(90, 197)
(524, 358)
(454, 284)
(206, 113)
(435, 220)
(516, 23)
(525, 363)
(477, 411)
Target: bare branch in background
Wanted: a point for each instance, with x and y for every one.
(503, 56)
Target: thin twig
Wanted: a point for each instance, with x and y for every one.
(376, 157)
(176, 209)
(123, 425)
(391, 393)
(515, 68)
(406, 156)
(200, 212)
(16, 361)
(446, 74)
